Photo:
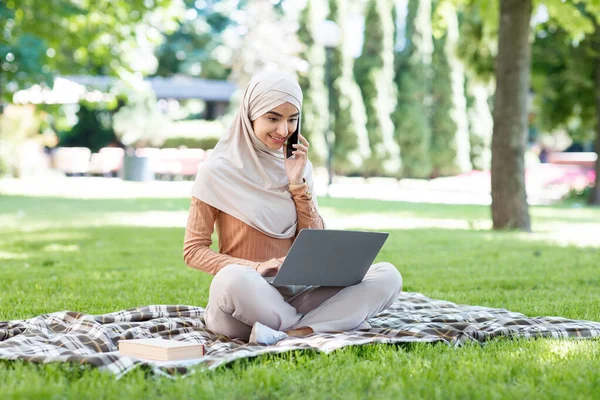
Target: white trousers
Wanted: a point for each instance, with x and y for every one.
(239, 296)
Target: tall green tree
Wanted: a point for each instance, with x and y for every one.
(312, 81)
(480, 122)
(569, 97)
(374, 72)
(450, 147)
(412, 117)
(43, 38)
(351, 145)
(478, 26)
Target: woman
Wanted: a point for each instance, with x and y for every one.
(259, 200)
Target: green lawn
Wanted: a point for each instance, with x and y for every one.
(97, 256)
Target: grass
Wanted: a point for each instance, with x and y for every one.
(97, 256)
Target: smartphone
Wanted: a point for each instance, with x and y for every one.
(293, 140)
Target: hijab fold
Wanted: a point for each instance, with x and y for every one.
(245, 178)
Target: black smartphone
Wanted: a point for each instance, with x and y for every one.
(293, 140)
(290, 142)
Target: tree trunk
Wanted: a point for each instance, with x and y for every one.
(509, 197)
(595, 195)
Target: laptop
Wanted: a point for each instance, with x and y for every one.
(322, 257)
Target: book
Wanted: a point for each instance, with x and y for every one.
(160, 349)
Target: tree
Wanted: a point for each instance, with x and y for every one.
(412, 117)
(450, 146)
(312, 81)
(261, 40)
(509, 197)
(480, 122)
(42, 38)
(351, 145)
(477, 47)
(374, 73)
(195, 47)
(568, 98)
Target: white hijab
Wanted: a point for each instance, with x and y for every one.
(245, 178)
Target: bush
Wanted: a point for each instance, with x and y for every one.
(195, 134)
(190, 142)
(579, 195)
(94, 126)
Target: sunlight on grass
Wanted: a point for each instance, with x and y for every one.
(566, 234)
(381, 221)
(7, 255)
(156, 219)
(8, 221)
(560, 350)
(65, 248)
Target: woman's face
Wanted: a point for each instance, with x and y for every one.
(275, 126)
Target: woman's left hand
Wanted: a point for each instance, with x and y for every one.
(294, 166)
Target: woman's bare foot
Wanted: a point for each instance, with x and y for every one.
(300, 332)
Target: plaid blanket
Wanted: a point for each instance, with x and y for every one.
(69, 336)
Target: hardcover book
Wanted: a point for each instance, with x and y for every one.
(160, 349)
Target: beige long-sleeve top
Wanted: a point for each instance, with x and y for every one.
(238, 242)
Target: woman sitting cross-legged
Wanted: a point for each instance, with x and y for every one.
(259, 199)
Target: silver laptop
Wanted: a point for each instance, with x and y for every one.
(321, 257)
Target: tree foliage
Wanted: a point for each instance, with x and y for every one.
(262, 39)
(195, 48)
(566, 76)
(374, 72)
(351, 146)
(412, 117)
(450, 148)
(101, 37)
(478, 41)
(312, 81)
(480, 122)
(564, 82)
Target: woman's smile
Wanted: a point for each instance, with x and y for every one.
(277, 139)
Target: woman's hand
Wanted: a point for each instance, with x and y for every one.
(271, 267)
(294, 167)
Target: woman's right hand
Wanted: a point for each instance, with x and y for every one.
(271, 267)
